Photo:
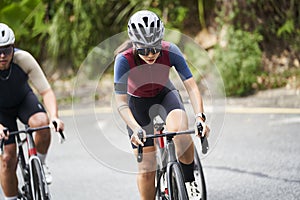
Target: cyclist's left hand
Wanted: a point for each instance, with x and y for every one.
(206, 129)
(3, 135)
(60, 124)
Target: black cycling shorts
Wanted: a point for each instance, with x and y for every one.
(29, 106)
(145, 109)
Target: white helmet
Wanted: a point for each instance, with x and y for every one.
(7, 36)
(146, 28)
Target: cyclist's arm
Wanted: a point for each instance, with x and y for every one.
(125, 112)
(31, 67)
(50, 103)
(190, 84)
(121, 70)
(178, 61)
(127, 116)
(194, 94)
(39, 81)
(196, 101)
(180, 64)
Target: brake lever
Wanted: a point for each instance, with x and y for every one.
(62, 137)
(204, 142)
(140, 147)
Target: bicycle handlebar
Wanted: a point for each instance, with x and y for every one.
(204, 141)
(30, 130)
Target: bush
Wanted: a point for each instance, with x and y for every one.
(239, 61)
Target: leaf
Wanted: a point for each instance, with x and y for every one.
(288, 27)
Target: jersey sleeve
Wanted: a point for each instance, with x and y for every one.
(121, 70)
(178, 61)
(31, 67)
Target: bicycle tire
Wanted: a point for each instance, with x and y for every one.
(199, 175)
(176, 185)
(39, 185)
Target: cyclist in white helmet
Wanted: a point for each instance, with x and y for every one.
(143, 90)
(17, 101)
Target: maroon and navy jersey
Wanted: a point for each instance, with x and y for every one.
(147, 80)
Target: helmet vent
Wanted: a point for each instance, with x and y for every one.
(158, 24)
(3, 33)
(145, 19)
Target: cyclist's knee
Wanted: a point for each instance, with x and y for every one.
(38, 119)
(8, 162)
(177, 120)
(148, 165)
(146, 176)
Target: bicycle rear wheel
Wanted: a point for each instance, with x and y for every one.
(199, 175)
(39, 187)
(176, 186)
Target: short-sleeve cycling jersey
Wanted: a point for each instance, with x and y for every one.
(14, 84)
(147, 80)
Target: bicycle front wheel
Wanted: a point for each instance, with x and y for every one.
(176, 186)
(199, 175)
(39, 187)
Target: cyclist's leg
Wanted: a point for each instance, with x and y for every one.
(146, 174)
(176, 120)
(146, 170)
(8, 160)
(140, 108)
(8, 175)
(32, 112)
(42, 138)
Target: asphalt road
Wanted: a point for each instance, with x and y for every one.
(254, 156)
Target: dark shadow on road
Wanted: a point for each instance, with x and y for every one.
(253, 173)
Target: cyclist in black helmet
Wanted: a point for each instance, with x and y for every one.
(143, 90)
(17, 101)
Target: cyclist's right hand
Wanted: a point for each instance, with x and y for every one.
(135, 137)
(4, 133)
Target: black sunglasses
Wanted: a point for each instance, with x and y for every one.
(6, 50)
(146, 51)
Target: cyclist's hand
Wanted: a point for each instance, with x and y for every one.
(4, 133)
(206, 129)
(60, 124)
(135, 138)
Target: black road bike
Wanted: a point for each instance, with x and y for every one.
(32, 181)
(170, 183)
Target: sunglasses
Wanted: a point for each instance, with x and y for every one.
(6, 50)
(146, 51)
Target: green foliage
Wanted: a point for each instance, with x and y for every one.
(277, 20)
(171, 12)
(239, 61)
(77, 27)
(64, 32)
(26, 18)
